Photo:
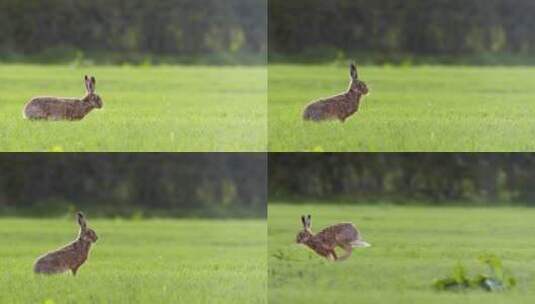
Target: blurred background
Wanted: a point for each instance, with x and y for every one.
(403, 178)
(134, 185)
(403, 31)
(133, 31)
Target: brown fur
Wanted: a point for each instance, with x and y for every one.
(58, 108)
(70, 257)
(340, 106)
(343, 235)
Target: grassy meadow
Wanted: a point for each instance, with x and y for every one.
(144, 261)
(163, 108)
(413, 108)
(411, 247)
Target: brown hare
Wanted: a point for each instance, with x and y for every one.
(344, 235)
(59, 108)
(340, 106)
(70, 257)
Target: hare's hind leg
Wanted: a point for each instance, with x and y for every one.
(41, 268)
(33, 114)
(331, 256)
(348, 250)
(312, 113)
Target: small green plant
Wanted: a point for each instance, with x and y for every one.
(497, 279)
(459, 280)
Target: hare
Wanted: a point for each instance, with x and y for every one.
(340, 106)
(59, 108)
(70, 257)
(344, 235)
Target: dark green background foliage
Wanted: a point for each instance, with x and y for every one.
(184, 184)
(187, 28)
(387, 27)
(433, 178)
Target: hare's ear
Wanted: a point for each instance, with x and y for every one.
(81, 220)
(353, 71)
(309, 221)
(87, 82)
(91, 85)
(303, 220)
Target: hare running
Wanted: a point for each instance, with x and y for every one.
(344, 235)
(59, 108)
(70, 257)
(340, 106)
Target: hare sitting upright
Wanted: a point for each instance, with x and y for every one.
(340, 106)
(70, 257)
(344, 235)
(59, 108)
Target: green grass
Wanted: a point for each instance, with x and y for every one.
(146, 261)
(425, 108)
(411, 246)
(167, 108)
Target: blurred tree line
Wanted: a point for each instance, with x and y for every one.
(159, 27)
(418, 27)
(177, 184)
(434, 178)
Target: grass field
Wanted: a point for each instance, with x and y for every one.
(168, 108)
(146, 261)
(409, 109)
(411, 246)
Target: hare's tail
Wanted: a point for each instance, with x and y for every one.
(25, 112)
(25, 115)
(360, 244)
